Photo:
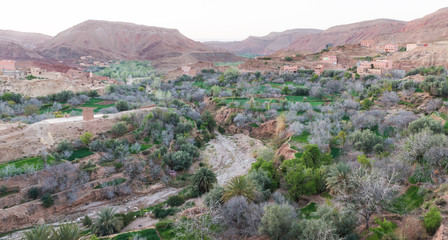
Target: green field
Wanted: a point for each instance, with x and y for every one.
(412, 199)
(20, 164)
(80, 153)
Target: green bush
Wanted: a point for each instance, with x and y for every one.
(425, 122)
(86, 138)
(122, 105)
(175, 201)
(119, 129)
(64, 146)
(432, 220)
(385, 229)
(160, 213)
(47, 200)
(33, 193)
(86, 221)
(365, 140)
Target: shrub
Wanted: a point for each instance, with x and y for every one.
(213, 197)
(47, 200)
(86, 138)
(33, 193)
(119, 129)
(208, 120)
(365, 140)
(179, 160)
(277, 221)
(64, 146)
(432, 220)
(86, 221)
(204, 179)
(160, 213)
(175, 201)
(122, 105)
(385, 229)
(425, 122)
(30, 110)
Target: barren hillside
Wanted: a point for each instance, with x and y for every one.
(117, 40)
(263, 45)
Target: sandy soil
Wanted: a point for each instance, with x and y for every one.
(230, 156)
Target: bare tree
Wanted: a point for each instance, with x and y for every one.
(374, 190)
(390, 99)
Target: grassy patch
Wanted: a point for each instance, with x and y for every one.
(80, 153)
(308, 209)
(410, 200)
(302, 137)
(7, 193)
(21, 165)
(148, 234)
(114, 182)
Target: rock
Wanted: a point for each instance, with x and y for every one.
(286, 151)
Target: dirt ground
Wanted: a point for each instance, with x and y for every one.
(20, 140)
(230, 156)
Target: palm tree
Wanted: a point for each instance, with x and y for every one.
(42, 232)
(204, 179)
(239, 186)
(339, 177)
(107, 222)
(68, 231)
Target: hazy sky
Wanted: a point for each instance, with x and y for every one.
(209, 19)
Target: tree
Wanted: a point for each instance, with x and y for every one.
(204, 179)
(432, 220)
(119, 129)
(390, 99)
(208, 120)
(68, 231)
(277, 221)
(339, 179)
(418, 144)
(239, 186)
(365, 140)
(424, 123)
(33, 193)
(374, 191)
(122, 105)
(41, 232)
(106, 222)
(86, 138)
(47, 200)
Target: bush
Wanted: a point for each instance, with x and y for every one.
(213, 197)
(425, 122)
(122, 105)
(86, 138)
(65, 146)
(365, 140)
(30, 110)
(33, 193)
(119, 129)
(179, 160)
(86, 221)
(277, 221)
(160, 213)
(432, 220)
(47, 200)
(208, 121)
(175, 201)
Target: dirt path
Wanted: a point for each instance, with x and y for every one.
(47, 133)
(231, 156)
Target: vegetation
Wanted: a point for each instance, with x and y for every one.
(432, 220)
(106, 223)
(204, 179)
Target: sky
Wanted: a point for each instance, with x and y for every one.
(206, 20)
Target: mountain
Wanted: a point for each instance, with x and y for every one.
(431, 27)
(348, 34)
(28, 40)
(118, 40)
(263, 45)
